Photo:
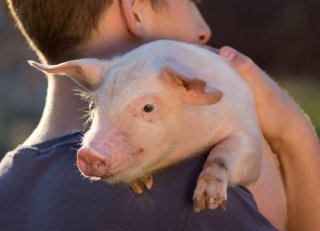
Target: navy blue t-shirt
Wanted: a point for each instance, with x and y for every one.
(42, 189)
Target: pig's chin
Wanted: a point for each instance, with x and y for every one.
(124, 177)
(113, 179)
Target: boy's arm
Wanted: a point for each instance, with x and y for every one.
(291, 136)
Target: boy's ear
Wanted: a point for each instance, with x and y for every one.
(133, 15)
(87, 72)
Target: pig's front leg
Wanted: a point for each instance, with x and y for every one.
(211, 189)
(141, 183)
(236, 160)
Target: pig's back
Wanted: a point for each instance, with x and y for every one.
(236, 110)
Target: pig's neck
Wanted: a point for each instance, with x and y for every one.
(63, 112)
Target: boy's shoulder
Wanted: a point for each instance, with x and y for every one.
(46, 152)
(42, 189)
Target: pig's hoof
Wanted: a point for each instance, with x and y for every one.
(211, 192)
(142, 183)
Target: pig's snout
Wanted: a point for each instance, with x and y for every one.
(92, 163)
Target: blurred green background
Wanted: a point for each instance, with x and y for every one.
(283, 37)
(307, 94)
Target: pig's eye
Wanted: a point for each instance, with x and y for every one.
(148, 108)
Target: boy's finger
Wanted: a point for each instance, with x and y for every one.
(261, 84)
(244, 65)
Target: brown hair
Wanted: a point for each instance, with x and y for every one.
(54, 28)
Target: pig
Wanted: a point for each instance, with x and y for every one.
(160, 104)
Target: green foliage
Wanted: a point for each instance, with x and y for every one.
(307, 95)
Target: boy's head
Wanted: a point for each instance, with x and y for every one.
(54, 27)
(59, 30)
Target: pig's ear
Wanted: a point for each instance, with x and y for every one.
(88, 72)
(192, 89)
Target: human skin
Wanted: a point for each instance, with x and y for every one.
(131, 26)
(291, 136)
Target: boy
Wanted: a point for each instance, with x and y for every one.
(41, 175)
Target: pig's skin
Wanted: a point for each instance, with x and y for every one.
(125, 144)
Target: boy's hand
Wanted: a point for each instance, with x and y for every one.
(291, 136)
(281, 119)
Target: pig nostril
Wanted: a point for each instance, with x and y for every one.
(99, 164)
(91, 163)
(100, 168)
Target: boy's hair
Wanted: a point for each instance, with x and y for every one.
(54, 28)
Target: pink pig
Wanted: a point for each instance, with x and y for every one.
(162, 103)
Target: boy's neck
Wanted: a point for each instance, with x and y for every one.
(64, 111)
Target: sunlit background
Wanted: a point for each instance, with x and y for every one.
(283, 37)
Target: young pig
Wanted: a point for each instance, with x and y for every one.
(161, 103)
